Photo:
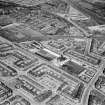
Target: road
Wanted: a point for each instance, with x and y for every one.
(87, 11)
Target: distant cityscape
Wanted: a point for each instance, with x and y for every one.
(52, 52)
